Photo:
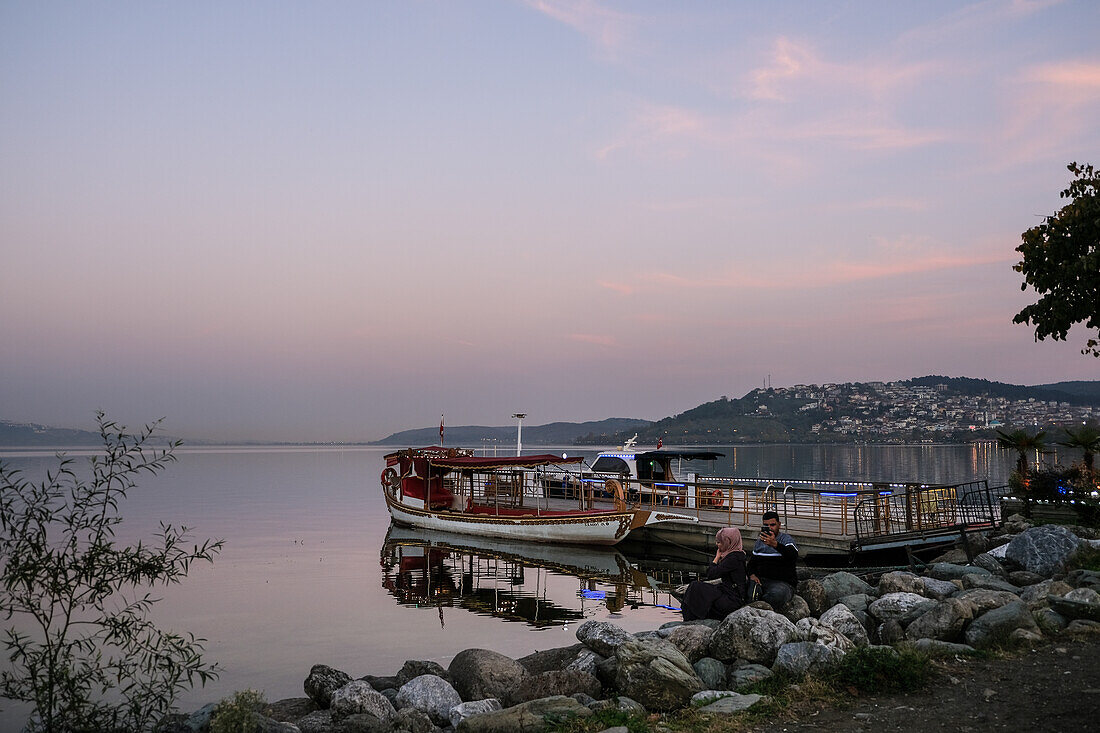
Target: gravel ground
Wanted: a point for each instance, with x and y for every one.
(1054, 686)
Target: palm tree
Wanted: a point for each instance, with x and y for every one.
(1022, 443)
(1087, 439)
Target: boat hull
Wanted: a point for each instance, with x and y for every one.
(587, 528)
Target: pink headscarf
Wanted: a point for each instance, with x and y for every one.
(729, 540)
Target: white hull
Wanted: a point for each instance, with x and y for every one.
(590, 528)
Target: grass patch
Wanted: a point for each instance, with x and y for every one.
(870, 671)
(1087, 557)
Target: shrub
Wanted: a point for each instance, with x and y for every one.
(237, 714)
(868, 670)
(82, 651)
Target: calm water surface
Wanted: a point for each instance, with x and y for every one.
(308, 574)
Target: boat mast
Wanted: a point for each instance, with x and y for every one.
(519, 432)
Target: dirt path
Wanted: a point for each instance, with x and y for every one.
(1054, 686)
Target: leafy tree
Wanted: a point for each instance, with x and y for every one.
(1023, 443)
(1087, 440)
(81, 649)
(1061, 261)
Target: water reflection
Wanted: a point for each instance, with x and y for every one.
(536, 584)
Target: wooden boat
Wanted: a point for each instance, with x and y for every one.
(451, 490)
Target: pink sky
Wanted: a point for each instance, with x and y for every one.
(333, 222)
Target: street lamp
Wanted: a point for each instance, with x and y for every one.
(519, 431)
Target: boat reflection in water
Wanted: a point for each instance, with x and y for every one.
(537, 584)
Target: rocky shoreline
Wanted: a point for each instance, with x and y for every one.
(1013, 589)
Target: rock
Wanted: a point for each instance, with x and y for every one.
(1036, 595)
(899, 606)
(1082, 578)
(1026, 636)
(944, 622)
(838, 585)
(621, 703)
(1079, 603)
(989, 582)
(1083, 627)
(796, 609)
(548, 659)
(900, 581)
(602, 637)
(322, 681)
(813, 592)
(986, 600)
(381, 683)
(415, 668)
(746, 674)
(951, 571)
(1049, 620)
(841, 618)
(752, 634)
(479, 674)
(607, 670)
(998, 624)
(555, 682)
(586, 661)
(946, 648)
(319, 721)
(528, 717)
(990, 563)
(264, 724)
(290, 709)
(431, 694)
(411, 720)
(954, 556)
(938, 589)
(1016, 523)
(810, 629)
(357, 697)
(729, 703)
(1024, 578)
(474, 707)
(890, 632)
(692, 640)
(712, 673)
(803, 657)
(656, 674)
(1043, 550)
(857, 601)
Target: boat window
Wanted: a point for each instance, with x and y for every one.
(610, 464)
(650, 469)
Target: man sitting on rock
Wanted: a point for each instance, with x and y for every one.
(772, 562)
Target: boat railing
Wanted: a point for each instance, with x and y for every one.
(926, 510)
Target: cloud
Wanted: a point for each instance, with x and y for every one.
(606, 28)
(1052, 111)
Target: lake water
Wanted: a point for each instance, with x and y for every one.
(307, 575)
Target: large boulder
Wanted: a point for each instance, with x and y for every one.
(998, 625)
(900, 581)
(944, 622)
(322, 681)
(1079, 603)
(1043, 550)
(557, 658)
(902, 607)
(984, 600)
(430, 694)
(953, 571)
(475, 707)
(810, 629)
(803, 657)
(528, 717)
(858, 602)
(554, 682)
(989, 582)
(358, 697)
(813, 592)
(753, 634)
(1035, 596)
(746, 674)
(991, 563)
(692, 639)
(715, 702)
(712, 673)
(841, 618)
(480, 673)
(415, 668)
(796, 609)
(656, 674)
(602, 637)
(838, 585)
(938, 589)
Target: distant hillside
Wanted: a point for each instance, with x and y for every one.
(25, 434)
(555, 433)
(1075, 393)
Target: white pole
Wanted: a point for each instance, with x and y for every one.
(519, 432)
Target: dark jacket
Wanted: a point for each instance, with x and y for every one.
(706, 600)
(775, 563)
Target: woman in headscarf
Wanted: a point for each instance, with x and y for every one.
(725, 593)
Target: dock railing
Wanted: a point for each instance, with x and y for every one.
(865, 512)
